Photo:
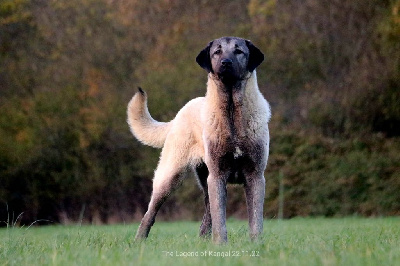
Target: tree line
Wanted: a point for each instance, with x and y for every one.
(68, 69)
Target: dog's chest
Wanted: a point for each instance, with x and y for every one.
(228, 146)
(237, 153)
(232, 128)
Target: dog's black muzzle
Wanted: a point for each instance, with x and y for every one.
(227, 72)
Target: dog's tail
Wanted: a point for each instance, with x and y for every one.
(142, 125)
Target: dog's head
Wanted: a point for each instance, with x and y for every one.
(230, 59)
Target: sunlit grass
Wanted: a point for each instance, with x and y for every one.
(349, 241)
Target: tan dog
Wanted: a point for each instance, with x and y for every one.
(223, 136)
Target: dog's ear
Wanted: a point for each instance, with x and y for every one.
(204, 60)
(255, 58)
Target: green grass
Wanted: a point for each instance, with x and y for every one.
(318, 241)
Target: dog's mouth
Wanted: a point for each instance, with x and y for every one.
(227, 74)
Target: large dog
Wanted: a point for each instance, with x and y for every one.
(223, 136)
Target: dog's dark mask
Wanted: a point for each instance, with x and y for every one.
(230, 58)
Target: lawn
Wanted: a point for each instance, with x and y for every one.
(307, 241)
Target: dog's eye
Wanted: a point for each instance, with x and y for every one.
(237, 51)
(218, 51)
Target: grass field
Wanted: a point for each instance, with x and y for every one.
(348, 241)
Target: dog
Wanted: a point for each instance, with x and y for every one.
(223, 137)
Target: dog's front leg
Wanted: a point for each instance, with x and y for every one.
(217, 195)
(255, 192)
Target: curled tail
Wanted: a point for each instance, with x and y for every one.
(142, 125)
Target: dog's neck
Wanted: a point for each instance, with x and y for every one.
(229, 102)
(241, 93)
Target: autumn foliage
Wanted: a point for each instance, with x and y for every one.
(68, 69)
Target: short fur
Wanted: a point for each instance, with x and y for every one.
(223, 137)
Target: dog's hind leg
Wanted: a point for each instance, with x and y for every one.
(167, 178)
(205, 227)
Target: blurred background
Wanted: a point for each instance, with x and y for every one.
(69, 67)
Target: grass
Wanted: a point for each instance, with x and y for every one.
(308, 241)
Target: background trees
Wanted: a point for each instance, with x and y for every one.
(68, 69)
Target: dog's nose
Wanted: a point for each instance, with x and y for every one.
(226, 62)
